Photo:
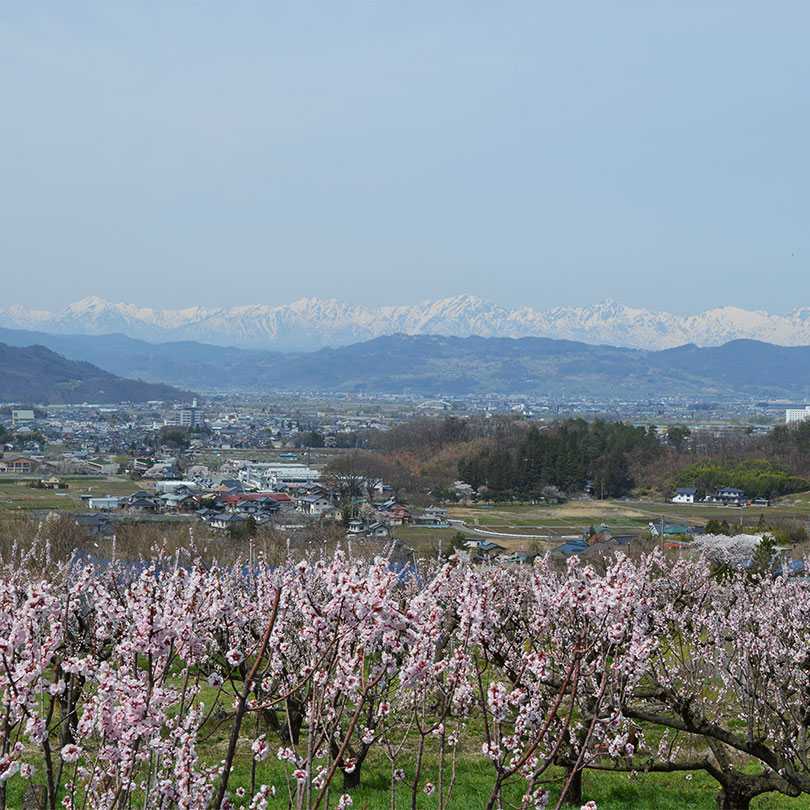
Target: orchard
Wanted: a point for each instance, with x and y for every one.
(114, 680)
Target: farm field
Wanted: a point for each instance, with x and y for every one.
(788, 509)
(16, 494)
(622, 514)
(542, 526)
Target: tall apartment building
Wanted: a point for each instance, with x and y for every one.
(186, 416)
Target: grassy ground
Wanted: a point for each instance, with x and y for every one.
(611, 791)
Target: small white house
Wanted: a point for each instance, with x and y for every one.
(684, 495)
(313, 504)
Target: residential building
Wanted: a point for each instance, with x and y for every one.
(313, 504)
(522, 557)
(483, 549)
(684, 495)
(97, 525)
(433, 516)
(571, 547)
(731, 496)
(141, 502)
(17, 465)
(229, 520)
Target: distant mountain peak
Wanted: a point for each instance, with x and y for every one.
(311, 323)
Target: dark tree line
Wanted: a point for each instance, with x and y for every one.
(565, 455)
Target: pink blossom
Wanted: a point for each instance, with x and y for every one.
(260, 749)
(71, 752)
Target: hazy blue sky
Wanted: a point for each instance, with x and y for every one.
(531, 153)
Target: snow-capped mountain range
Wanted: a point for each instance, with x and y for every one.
(312, 323)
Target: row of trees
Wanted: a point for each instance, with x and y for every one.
(113, 679)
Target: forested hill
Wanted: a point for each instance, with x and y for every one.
(36, 374)
(523, 459)
(431, 365)
(426, 364)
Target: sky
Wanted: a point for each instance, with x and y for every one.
(541, 154)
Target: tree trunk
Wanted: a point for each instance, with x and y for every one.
(739, 789)
(573, 795)
(352, 780)
(68, 704)
(734, 798)
(288, 728)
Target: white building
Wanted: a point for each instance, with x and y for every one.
(797, 414)
(273, 476)
(186, 416)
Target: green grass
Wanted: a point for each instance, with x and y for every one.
(474, 779)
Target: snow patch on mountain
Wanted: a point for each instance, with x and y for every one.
(312, 323)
